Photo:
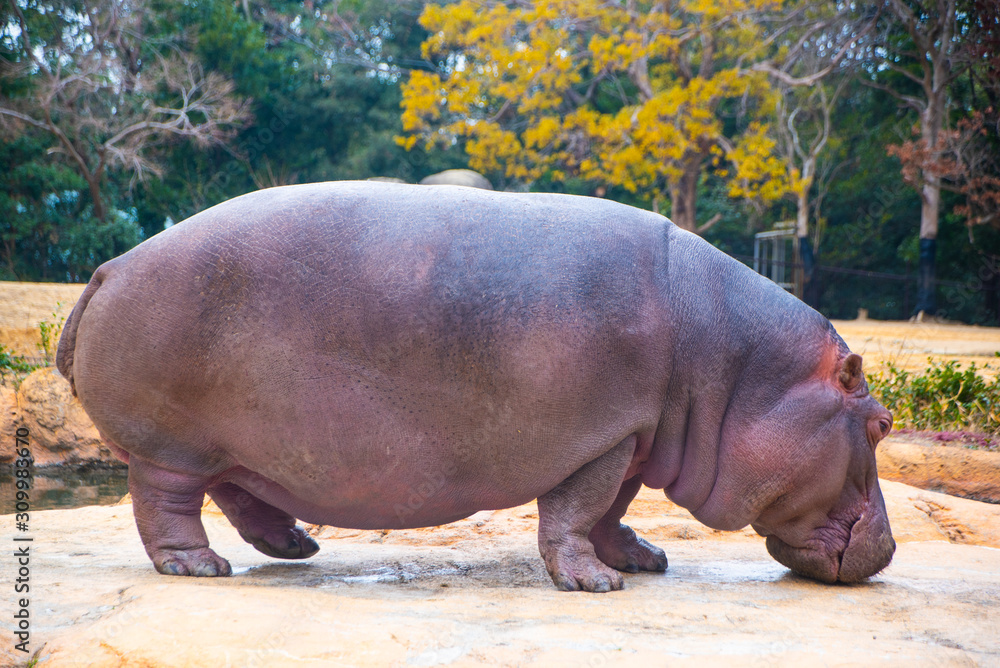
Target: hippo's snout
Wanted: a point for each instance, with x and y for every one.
(868, 551)
(871, 546)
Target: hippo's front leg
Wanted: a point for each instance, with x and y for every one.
(167, 508)
(568, 513)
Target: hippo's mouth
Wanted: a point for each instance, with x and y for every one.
(867, 550)
(818, 564)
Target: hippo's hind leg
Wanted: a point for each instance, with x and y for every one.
(617, 545)
(167, 508)
(268, 529)
(568, 514)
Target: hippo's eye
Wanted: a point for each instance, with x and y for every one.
(878, 428)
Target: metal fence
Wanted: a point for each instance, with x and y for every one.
(840, 292)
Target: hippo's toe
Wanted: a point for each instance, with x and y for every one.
(588, 576)
(201, 562)
(574, 567)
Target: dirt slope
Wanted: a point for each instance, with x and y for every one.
(24, 305)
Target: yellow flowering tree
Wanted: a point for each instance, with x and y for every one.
(649, 96)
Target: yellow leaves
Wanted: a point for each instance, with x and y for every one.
(796, 183)
(709, 9)
(420, 100)
(543, 133)
(406, 142)
(616, 52)
(549, 87)
(491, 148)
(759, 173)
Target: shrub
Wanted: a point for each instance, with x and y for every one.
(50, 333)
(942, 397)
(13, 365)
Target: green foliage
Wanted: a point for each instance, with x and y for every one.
(50, 331)
(47, 228)
(941, 398)
(13, 365)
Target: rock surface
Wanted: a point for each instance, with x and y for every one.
(60, 431)
(476, 593)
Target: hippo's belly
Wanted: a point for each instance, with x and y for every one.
(358, 449)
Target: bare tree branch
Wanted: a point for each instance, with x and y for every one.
(909, 100)
(709, 224)
(907, 73)
(101, 114)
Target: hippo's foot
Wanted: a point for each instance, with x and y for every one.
(620, 548)
(568, 513)
(294, 543)
(573, 566)
(201, 562)
(270, 530)
(167, 508)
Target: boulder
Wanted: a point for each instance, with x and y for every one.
(8, 422)
(458, 177)
(386, 179)
(59, 431)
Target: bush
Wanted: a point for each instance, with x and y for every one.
(49, 333)
(942, 397)
(13, 365)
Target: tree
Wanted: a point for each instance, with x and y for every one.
(323, 77)
(921, 44)
(810, 47)
(104, 98)
(981, 129)
(642, 95)
(804, 125)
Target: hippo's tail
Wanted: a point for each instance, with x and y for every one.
(67, 342)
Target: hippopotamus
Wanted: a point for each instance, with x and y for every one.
(384, 356)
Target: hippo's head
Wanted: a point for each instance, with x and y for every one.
(807, 476)
(830, 524)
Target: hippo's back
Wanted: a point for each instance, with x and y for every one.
(393, 321)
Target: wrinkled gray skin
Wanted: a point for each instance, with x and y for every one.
(374, 355)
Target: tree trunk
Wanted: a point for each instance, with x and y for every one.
(802, 213)
(937, 46)
(684, 196)
(926, 301)
(930, 206)
(94, 184)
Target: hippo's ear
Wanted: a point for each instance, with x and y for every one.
(850, 372)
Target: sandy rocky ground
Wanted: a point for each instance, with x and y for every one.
(476, 593)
